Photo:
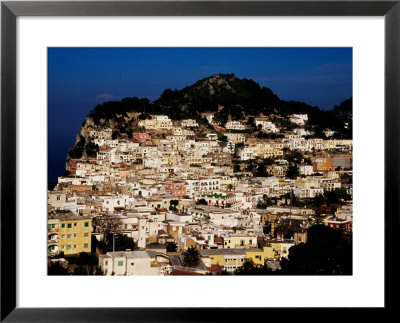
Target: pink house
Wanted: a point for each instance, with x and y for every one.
(177, 189)
(142, 138)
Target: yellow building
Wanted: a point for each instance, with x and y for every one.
(240, 241)
(281, 247)
(69, 234)
(259, 255)
(228, 259)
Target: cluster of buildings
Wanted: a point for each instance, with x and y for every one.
(174, 183)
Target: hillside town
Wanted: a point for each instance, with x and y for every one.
(198, 196)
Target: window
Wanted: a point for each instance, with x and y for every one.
(75, 224)
(86, 224)
(63, 236)
(68, 236)
(85, 245)
(68, 246)
(63, 225)
(120, 263)
(86, 234)
(74, 246)
(69, 225)
(58, 197)
(132, 263)
(62, 246)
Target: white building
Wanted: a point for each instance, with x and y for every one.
(299, 119)
(189, 123)
(197, 186)
(305, 170)
(112, 203)
(234, 125)
(266, 126)
(301, 132)
(129, 263)
(101, 134)
(107, 142)
(302, 193)
(246, 153)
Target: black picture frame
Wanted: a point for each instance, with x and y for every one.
(10, 10)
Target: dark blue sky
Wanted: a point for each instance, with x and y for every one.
(80, 78)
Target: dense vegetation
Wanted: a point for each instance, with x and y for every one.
(225, 95)
(236, 97)
(327, 251)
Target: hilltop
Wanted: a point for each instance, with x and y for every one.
(224, 95)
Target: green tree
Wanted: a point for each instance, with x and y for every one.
(81, 270)
(292, 172)
(250, 268)
(336, 196)
(318, 200)
(326, 252)
(221, 117)
(202, 202)
(264, 202)
(76, 152)
(56, 269)
(191, 257)
(173, 204)
(122, 242)
(250, 122)
(261, 171)
(97, 271)
(91, 149)
(114, 134)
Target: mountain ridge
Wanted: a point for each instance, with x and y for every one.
(224, 95)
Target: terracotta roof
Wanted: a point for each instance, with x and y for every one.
(215, 269)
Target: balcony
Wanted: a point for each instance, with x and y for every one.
(52, 241)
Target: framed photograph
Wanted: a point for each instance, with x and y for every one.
(147, 141)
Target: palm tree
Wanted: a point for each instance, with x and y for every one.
(191, 257)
